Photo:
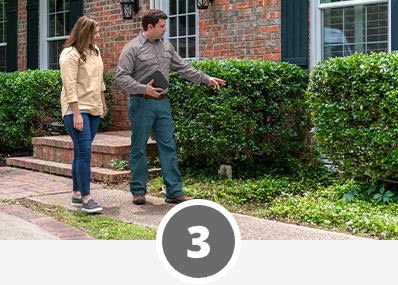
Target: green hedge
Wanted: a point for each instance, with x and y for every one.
(354, 107)
(30, 106)
(259, 113)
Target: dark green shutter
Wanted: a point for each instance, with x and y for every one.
(294, 31)
(12, 32)
(32, 8)
(76, 11)
(394, 25)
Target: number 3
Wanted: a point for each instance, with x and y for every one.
(199, 241)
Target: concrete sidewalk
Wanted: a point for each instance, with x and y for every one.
(55, 190)
(20, 223)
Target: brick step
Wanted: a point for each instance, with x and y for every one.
(107, 146)
(64, 169)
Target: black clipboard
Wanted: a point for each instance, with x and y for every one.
(159, 80)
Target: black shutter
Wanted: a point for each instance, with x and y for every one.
(32, 8)
(294, 31)
(12, 32)
(76, 11)
(394, 25)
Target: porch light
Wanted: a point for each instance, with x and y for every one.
(203, 4)
(128, 7)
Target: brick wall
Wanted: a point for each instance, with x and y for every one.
(22, 16)
(115, 33)
(241, 28)
(228, 29)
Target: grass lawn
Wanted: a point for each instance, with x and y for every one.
(311, 197)
(97, 226)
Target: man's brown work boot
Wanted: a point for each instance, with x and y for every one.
(178, 199)
(139, 199)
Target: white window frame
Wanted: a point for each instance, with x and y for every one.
(164, 6)
(317, 24)
(44, 39)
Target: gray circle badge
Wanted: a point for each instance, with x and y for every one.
(198, 241)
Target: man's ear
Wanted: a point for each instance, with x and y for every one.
(150, 26)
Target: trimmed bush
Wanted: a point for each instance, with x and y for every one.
(354, 107)
(30, 106)
(259, 113)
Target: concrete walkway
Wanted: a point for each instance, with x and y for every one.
(55, 190)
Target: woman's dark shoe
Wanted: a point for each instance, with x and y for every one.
(77, 202)
(91, 207)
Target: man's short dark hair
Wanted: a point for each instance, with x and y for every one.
(152, 16)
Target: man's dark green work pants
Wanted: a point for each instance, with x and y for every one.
(154, 115)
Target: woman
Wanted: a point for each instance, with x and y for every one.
(82, 103)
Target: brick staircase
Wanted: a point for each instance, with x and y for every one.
(54, 155)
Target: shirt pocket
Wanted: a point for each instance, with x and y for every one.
(147, 59)
(165, 58)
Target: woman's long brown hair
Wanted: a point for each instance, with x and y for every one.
(82, 36)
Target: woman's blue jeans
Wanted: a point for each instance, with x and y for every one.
(82, 140)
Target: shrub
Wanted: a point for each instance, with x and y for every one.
(260, 112)
(29, 106)
(354, 107)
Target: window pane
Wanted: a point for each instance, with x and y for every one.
(182, 25)
(51, 25)
(2, 40)
(361, 28)
(173, 7)
(191, 6)
(182, 7)
(191, 47)
(67, 5)
(2, 58)
(51, 6)
(182, 49)
(59, 26)
(174, 43)
(54, 50)
(377, 23)
(52, 53)
(173, 27)
(192, 24)
(67, 24)
(59, 5)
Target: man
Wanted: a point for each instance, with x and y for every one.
(149, 106)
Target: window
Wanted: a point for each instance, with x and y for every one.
(54, 31)
(182, 25)
(350, 26)
(3, 35)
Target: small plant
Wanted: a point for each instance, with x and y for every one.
(384, 196)
(120, 164)
(348, 196)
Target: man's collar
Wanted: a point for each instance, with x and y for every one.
(143, 38)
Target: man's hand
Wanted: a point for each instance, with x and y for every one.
(215, 83)
(153, 91)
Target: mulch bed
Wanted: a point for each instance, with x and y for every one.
(15, 153)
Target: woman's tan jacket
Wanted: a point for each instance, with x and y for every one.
(82, 81)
